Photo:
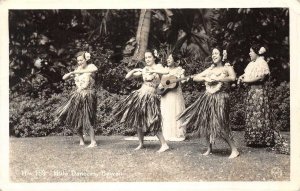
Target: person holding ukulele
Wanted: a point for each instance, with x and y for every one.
(172, 101)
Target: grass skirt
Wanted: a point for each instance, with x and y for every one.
(140, 110)
(79, 112)
(208, 116)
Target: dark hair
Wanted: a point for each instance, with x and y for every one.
(176, 57)
(81, 53)
(256, 47)
(220, 49)
(156, 59)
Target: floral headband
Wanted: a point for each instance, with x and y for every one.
(87, 56)
(262, 50)
(224, 55)
(155, 53)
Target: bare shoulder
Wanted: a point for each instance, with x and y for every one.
(228, 66)
(159, 66)
(91, 66)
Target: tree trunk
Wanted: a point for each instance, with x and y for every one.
(142, 35)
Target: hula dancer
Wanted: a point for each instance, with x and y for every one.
(141, 109)
(209, 115)
(79, 112)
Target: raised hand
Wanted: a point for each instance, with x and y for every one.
(190, 79)
(137, 70)
(207, 79)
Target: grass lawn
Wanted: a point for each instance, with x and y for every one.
(61, 159)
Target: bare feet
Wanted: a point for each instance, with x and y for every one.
(139, 147)
(209, 148)
(163, 148)
(81, 143)
(207, 152)
(81, 139)
(234, 154)
(93, 144)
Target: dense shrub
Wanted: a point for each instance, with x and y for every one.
(237, 107)
(41, 52)
(32, 117)
(280, 104)
(106, 122)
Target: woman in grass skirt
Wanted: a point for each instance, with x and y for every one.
(141, 109)
(260, 130)
(79, 111)
(209, 115)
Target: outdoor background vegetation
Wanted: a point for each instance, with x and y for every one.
(43, 43)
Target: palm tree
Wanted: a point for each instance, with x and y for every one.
(142, 34)
(188, 29)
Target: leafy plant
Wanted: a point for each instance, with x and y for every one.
(42, 45)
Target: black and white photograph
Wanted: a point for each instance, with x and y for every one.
(153, 95)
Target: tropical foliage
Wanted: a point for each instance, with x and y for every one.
(43, 44)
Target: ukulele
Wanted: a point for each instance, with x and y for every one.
(168, 83)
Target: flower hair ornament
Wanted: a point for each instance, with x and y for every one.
(155, 53)
(224, 55)
(262, 50)
(87, 56)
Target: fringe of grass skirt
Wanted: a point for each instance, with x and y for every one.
(208, 116)
(140, 110)
(79, 112)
